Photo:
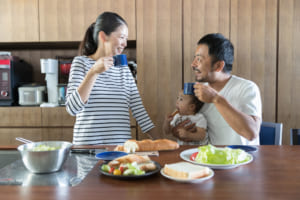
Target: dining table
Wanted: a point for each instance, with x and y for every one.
(274, 173)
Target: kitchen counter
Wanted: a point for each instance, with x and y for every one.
(273, 174)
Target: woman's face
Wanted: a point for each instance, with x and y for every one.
(118, 40)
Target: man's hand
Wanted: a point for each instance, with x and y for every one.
(183, 135)
(183, 125)
(205, 93)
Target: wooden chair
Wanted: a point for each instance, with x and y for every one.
(270, 133)
(294, 136)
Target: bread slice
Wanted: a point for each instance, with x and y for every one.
(185, 170)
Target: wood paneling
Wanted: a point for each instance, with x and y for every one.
(57, 117)
(68, 20)
(19, 21)
(64, 134)
(288, 66)
(159, 56)
(8, 135)
(254, 36)
(20, 116)
(35, 123)
(200, 18)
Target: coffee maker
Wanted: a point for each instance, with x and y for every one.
(50, 68)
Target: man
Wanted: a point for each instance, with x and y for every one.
(232, 104)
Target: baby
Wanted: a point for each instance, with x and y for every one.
(188, 107)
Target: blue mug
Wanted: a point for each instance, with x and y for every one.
(120, 60)
(188, 88)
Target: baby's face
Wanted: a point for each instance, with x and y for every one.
(183, 103)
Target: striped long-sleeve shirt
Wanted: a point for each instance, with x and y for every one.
(104, 118)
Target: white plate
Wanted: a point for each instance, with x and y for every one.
(198, 180)
(185, 155)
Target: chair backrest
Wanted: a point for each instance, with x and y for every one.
(270, 133)
(294, 136)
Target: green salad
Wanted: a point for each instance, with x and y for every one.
(210, 154)
(128, 169)
(43, 147)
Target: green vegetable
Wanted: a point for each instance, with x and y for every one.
(133, 169)
(43, 147)
(105, 168)
(210, 154)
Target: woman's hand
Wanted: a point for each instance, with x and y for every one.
(103, 64)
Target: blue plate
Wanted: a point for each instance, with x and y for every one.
(244, 147)
(110, 155)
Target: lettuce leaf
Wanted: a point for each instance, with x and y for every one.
(210, 154)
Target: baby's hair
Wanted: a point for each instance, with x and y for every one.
(198, 104)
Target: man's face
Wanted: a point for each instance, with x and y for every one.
(202, 64)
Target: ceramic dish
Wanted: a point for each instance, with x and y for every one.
(244, 147)
(198, 180)
(110, 155)
(185, 155)
(132, 177)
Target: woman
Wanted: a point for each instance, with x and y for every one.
(100, 94)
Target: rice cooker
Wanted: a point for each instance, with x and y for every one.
(31, 95)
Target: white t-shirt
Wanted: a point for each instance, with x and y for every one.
(242, 94)
(198, 119)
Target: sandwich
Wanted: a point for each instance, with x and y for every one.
(144, 163)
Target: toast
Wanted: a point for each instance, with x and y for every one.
(185, 170)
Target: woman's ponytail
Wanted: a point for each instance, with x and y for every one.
(88, 46)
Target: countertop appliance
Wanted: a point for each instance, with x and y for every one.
(31, 94)
(50, 68)
(13, 73)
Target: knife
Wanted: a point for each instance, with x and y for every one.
(88, 151)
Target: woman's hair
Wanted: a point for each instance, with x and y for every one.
(107, 22)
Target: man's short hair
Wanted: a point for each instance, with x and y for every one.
(220, 48)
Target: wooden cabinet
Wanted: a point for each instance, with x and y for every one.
(35, 123)
(68, 20)
(20, 117)
(48, 21)
(39, 124)
(288, 66)
(19, 21)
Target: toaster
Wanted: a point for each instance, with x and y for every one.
(31, 95)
